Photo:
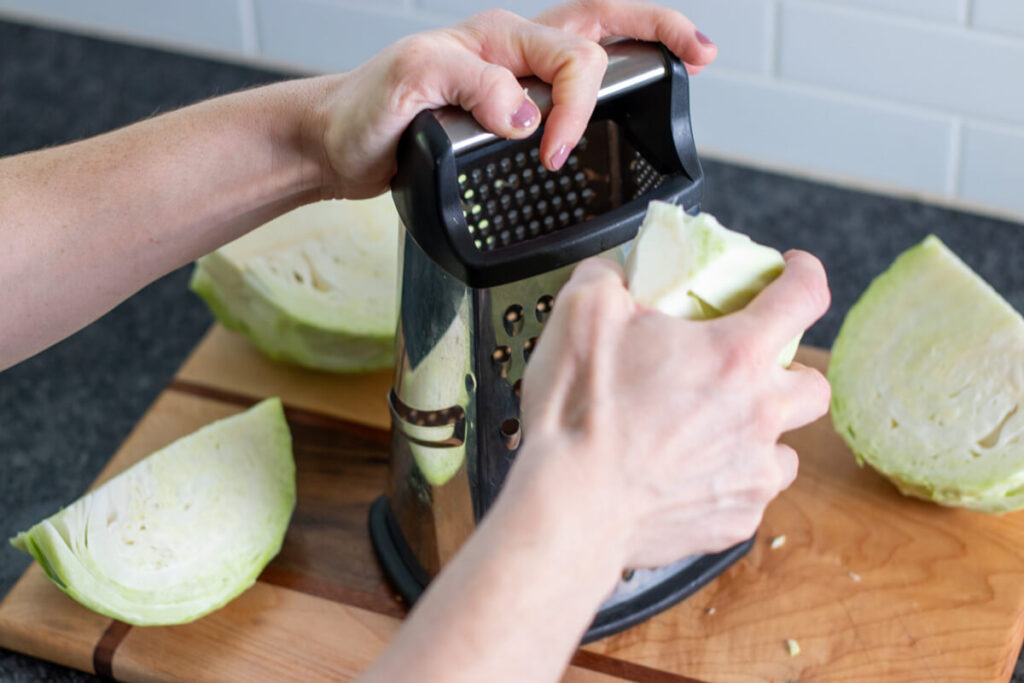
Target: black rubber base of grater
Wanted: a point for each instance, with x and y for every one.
(410, 579)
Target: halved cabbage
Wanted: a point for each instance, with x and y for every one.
(693, 267)
(180, 533)
(927, 378)
(316, 286)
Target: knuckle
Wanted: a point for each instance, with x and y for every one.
(592, 55)
(740, 363)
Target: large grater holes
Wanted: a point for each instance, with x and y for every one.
(544, 306)
(513, 320)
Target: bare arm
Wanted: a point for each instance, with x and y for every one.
(87, 224)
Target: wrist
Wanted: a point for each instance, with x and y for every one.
(576, 506)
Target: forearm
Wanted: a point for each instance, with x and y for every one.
(85, 225)
(515, 601)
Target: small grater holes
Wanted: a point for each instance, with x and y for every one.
(572, 198)
(505, 202)
(534, 154)
(491, 171)
(542, 207)
(543, 307)
(512, 181)
(505, 164)
(527, 175)
(527, 212)
(563, 219)
(520, 159)
(549, 223)
(534, 228)
(528, 347)
(513, 320)
(511, 433)
(534, 191)
(512, 217)
(505, 237)
(549, 186)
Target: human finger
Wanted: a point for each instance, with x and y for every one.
(788, 306)
(599, 19)
(788, 462)
(807, 394)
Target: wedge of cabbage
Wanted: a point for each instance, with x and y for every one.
(927, 378)
(693, 267)
(180, 533)
(316, 286)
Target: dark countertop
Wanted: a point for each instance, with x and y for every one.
(64, 412)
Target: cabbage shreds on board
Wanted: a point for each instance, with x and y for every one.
(316, 286)
(694, 267)
(180, 533)
(927, 378)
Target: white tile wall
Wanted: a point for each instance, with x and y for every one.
(1005, 16)
(922, 96)
(946, 68)
(943, 10)
(993, 166)
(330, 36)
(822, 133)
(213, 25)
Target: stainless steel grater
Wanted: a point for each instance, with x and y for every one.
(490, 236)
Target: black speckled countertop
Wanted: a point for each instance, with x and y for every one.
(64, 412)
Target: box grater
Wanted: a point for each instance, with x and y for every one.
(489, 237)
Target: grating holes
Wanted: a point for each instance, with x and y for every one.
(511, 433)
(549, 223)
(527, 175)
(527, 212)
(528, 347)
(505, 237)
(572, 198)
(534, 227)
(549, 186)
(505, 202)
(513, 217)
(542, 207)
(513, 180)
(556, 202)
(534, 154)
(564, 182)
(520, 231)
(505, 164)
(520, 159)
(513, 320)
(563, 218)
(491, 171)
(476, 175)
(544, 306)
(578, 214)
(501, 355)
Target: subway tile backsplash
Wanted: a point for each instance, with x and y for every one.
(918, 96)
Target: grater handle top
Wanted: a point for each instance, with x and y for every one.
(645, 94)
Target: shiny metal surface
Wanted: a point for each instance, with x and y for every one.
(630, 65)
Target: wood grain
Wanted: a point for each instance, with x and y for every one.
(940, 594)
(224, 360)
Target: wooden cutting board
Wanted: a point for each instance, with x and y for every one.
(872, 585)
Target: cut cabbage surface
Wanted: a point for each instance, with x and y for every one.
(316, 286)
(927, 378)
(693, 267)
(180, 533)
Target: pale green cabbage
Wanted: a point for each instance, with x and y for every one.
(927, 378)
(180, 533)
(693, 267)
(316, 286)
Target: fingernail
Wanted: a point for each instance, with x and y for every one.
(559, 157)
(525, 114)
(703, 39)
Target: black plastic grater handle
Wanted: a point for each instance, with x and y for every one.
(654, 115)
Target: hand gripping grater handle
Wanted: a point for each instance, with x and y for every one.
(489, 213)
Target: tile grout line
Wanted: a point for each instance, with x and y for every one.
(775, 40)
(956, 145)
(250, 29)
